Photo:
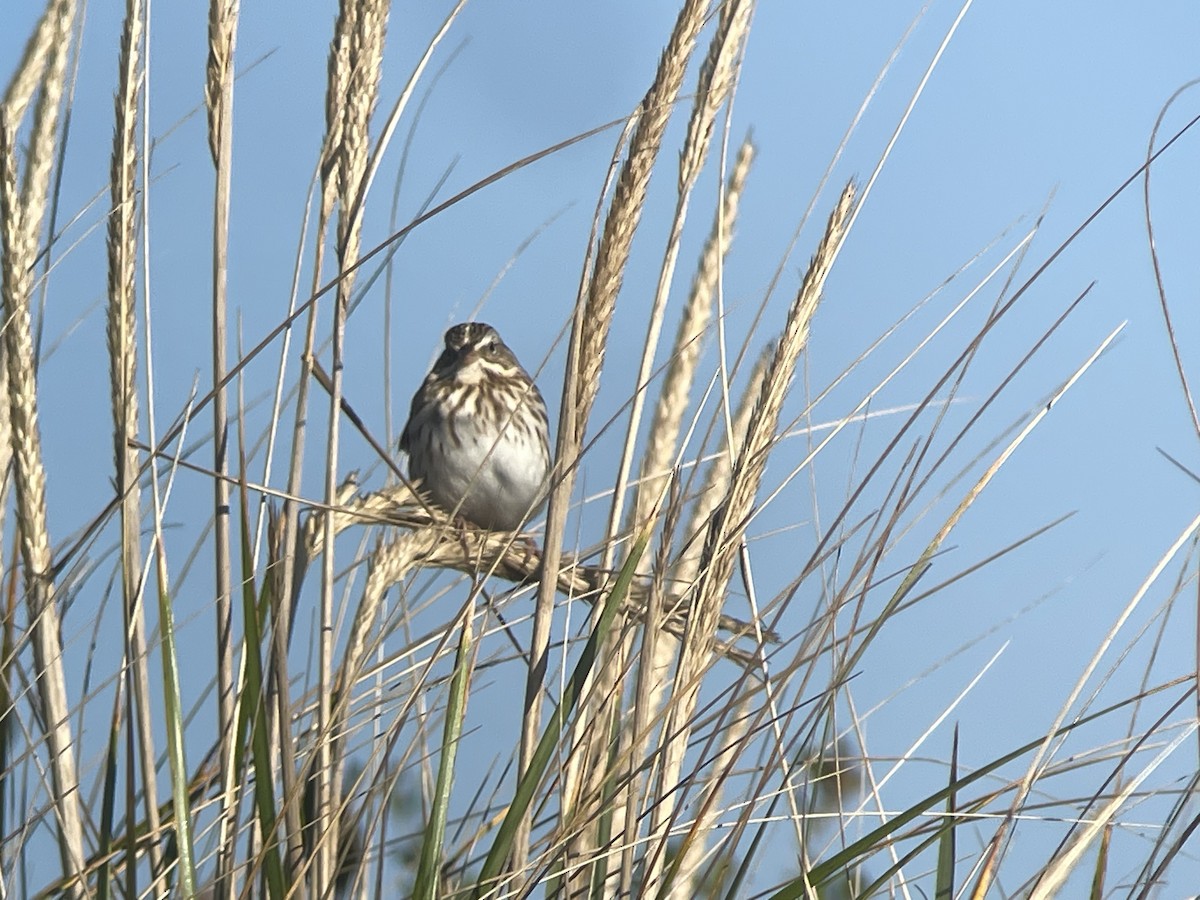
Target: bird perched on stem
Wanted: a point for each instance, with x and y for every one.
(477, 436)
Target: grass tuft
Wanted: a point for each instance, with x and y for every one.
(372, 709)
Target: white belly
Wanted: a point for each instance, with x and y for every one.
(495, 481)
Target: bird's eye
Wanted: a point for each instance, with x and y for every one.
(491, 348)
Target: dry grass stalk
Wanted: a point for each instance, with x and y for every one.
(6, 445)
(27, 74)
(663, 651)
(716, 80)
(696, 845)
(222, 35)
(585, 359)
(386, 567)
(22, 214)
(291, 537)
(323, 780)
(289, 524)
(358, 47)
(122, 354)
(675, 397)
(356, 58)
(471, 550)
(728, 522)
(635, 735)
(625, 212)
(661, 648)
(338, 75)
(122, 251)
(716, 478)
(717, 77)
(218, 95)
(42, 138)
(30, 482)
(24, 82)
(48, 70)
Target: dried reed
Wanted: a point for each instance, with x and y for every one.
(218, 101)
(22, 214)
(728, 521)
(356, 59)
(589, 335)
(716, 79)
(121, 334)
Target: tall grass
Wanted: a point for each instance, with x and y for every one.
(699, 731)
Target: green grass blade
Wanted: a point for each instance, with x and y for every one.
(945, 869)
(253, 710)
(1102, 852)
(176, 755)
(108, 801)
(527, 786)
(881, 836)
(426, 884)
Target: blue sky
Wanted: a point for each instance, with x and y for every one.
(1034, 106)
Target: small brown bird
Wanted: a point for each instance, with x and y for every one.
(477, 436)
